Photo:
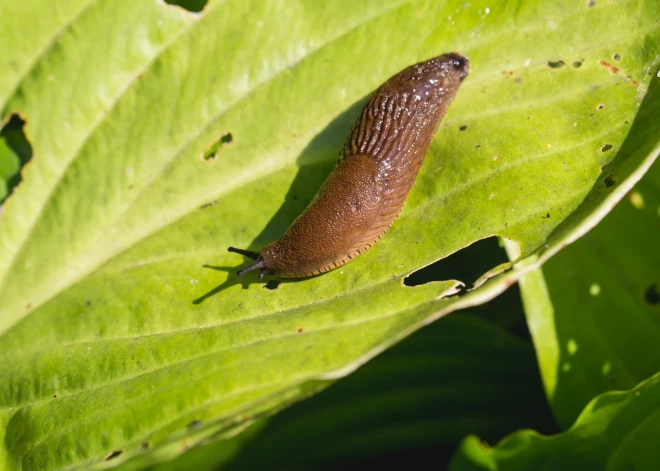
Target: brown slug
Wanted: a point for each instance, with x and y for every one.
(377, 167)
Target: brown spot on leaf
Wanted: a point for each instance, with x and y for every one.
(612, 68)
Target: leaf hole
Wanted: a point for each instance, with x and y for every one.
(606, 147)
(577, 64)
(469, 263)
(601, 106)
(112, 455)
(591, 3)
(652, 295)
(609, 180)
(212, 152)
(193, 6)
(616, 57)
(463, 128)
(556, 64)
(15, 152)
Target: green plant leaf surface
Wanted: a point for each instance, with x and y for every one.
(594, 308)
(120, 319)
(616, 431)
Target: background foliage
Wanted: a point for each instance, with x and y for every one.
(157, 137)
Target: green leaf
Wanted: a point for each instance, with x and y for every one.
(616, 431)
(121, 322)
(593, 309)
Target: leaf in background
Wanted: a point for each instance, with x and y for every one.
(616, 431)
(121, 321)
(593, 310)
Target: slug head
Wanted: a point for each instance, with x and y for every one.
(276, 258)
(459, 63)
(259, 263)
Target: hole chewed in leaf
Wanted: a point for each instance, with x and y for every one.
(609, 180)
(606, 147)
(577, 64)
(112, 454)
(468, 264)
(616, 57)
(15, 152)
(556, 64)
(600, 106)
(652, 295)
(193, 6)
(212, 152)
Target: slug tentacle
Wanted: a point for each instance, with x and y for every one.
(247, 253)
(376, 170)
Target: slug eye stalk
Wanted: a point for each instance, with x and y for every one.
(246, 253)
(258, 264)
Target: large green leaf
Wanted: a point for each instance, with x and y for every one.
(616, 431)
(118, 332)
(593, 309)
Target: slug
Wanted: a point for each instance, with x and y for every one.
(376, 170)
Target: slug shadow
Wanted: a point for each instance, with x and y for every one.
(314, 165)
